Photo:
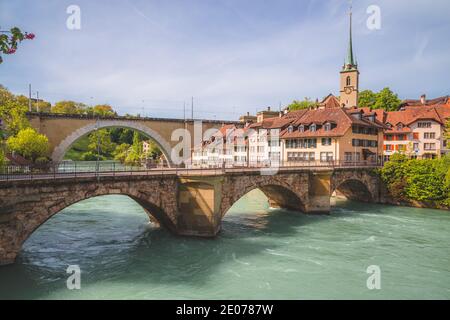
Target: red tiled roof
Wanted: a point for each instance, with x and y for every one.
(338, 116)
(432, 102)
(411, 115)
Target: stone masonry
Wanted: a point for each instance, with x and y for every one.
(185, 205)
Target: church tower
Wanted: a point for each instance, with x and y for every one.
(349, 76)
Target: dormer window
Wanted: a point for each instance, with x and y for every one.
(313, 128)
(327, 127)
(301, 128)
(357, 116)
(400, 126)
(290, 129)
(389, 125)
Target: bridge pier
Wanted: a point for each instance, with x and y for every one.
(319, 192)
(199, 201)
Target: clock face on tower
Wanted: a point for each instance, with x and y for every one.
(348, 90)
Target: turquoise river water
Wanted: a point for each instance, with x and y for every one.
(261, 253)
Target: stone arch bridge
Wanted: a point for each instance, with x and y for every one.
(186, 204)
(63, 130)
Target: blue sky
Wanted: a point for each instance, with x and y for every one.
(233, 56)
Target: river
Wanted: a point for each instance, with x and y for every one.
(261, 253)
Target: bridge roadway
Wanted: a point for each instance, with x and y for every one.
(177, 171)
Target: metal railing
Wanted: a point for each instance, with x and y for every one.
(68, 169)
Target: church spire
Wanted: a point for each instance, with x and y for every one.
(350, 63)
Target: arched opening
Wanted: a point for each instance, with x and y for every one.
(263, 209)
(351, 189)
(348, 81)
(122, 146)
(79, 139)
(98, 230)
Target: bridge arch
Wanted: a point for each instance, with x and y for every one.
(61, 149)
(356, 185)
(47, 201)
(280, 194)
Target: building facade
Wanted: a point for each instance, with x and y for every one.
(418, 129)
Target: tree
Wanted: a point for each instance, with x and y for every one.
(384, 99)
(367, 98)
(103, 110)
(9, 40)
(69, 107)
(29, 144)
(100, 141)
(299, 105)
(13, 116)
(387, 100)
(447, 132)
(121, 152)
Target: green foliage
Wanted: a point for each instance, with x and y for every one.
(385, 99)
(103, 110)
(299, 105)
(367, 98)
(421, 180)
(12, 113)
(29, 144)
(92, 156)
(100, 141)
(2, 157)
(69, 107)
(121, 152)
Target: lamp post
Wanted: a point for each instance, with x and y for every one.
(98, 147)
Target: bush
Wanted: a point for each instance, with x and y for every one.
(421, 180)
(42, 161)
(90, 156)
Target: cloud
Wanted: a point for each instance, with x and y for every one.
(232, 56)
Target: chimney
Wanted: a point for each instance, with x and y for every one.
(268, 108)
(248, 114)
(423, 99)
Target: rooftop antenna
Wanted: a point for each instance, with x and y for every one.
(192, 108)
(29, 97)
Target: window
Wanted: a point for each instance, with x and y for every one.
(326, 156)
(348, 156)
(401, 137)
(400, 126)
(429, 135)
(415, 147)
(429, 146)
(301, 128)
(290, 129)
(424, 124)
(327, 127)
(261, 149)
(364, 143)
(348, 81)
(416, 136)
(326, 141)
(312, 143)
(313, 127)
